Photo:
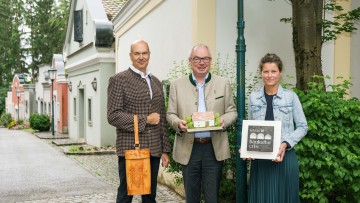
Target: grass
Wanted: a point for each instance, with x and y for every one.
(76, 149)
(30, 130)
(81, 148)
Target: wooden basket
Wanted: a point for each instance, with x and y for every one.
(138, 172)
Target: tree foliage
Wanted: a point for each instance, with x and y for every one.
(311, 30)
(29, 29)
(11, 53)
(344, 22)
(47, 24)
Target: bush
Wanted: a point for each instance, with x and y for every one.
(11, 124)
(20, 122)
(40, 122)
(5, 119)
(329, 155)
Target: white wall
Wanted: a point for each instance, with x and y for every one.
(85, 63)
(97, 132)
(265, 33)
(168, 32)
(92, 131)
(167, 29)
(226, 31)
(42, 94)
(25, 110)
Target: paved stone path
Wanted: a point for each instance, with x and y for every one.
(95, 178)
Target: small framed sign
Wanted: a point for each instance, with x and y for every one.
(260, 139)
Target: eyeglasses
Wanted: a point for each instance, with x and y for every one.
(198, 59)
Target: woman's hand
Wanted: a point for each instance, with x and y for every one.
(249, 158)
(281, 153)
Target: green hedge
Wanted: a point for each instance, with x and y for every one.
(40, 122)
(329, 155)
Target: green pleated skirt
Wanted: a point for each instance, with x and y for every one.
(272, 182)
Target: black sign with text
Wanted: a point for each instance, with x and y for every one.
(260, 138)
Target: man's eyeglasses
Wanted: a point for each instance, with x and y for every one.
(198, 59)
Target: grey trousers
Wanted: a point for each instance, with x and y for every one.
(202, 174)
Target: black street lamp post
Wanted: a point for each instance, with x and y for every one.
(241, 191)
(52, 76)
(18, 100)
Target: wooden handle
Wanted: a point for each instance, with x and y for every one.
(136, 131)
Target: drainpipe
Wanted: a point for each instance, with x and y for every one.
(241, 191)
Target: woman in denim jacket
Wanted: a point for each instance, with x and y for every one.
(276, 181)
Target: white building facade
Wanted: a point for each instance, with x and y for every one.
(172, 27)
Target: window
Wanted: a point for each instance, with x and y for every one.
(74, 106)
(78, 26)
(89, 111)
(86, 17)
(26, 106)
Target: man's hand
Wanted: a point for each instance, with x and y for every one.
(153, 118)
(182, 126)
(165, 160)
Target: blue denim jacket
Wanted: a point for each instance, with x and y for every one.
(287, 109)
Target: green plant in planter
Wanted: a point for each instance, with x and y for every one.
(74, 149)
(329, 155)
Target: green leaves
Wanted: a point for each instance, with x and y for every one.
(30, 29)
(329, 154)
(40, 122)
(343, 22)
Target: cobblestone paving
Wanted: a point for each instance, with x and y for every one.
(94, 198)
(98, 198)
(105, 168)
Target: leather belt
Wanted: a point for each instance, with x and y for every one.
(203, 140)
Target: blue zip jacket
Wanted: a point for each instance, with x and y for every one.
(287, 109)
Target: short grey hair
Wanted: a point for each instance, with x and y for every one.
(197, 46)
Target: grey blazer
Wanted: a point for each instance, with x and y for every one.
(183, 101)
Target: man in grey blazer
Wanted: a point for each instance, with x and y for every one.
(136, 91)
(201, 154)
